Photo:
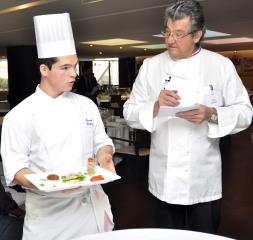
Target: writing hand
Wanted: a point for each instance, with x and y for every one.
(166, 98)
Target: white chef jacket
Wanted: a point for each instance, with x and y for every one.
(55, 134)
(185, 161)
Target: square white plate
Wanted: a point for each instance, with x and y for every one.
(42, 183)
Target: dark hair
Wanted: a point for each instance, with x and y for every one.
(47, 61)
(186, 8)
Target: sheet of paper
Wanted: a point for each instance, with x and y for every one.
(171, 111)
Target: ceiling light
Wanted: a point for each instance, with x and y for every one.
(114, 42)
(229, 40)
(151, 46)
(85, 2)
(211, 34)
(26, 5)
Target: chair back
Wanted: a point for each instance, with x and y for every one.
(141, 138)
(117, 105)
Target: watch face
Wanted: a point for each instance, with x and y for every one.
(214, 117)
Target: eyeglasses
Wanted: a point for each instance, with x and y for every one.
(175, 35)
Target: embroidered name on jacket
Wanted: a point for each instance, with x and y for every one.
(89, 122)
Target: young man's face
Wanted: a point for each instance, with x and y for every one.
(61, 77)
(179, 39)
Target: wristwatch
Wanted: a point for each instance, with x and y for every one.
(214, 116)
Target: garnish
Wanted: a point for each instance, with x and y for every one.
(97, 178)
(73, 177)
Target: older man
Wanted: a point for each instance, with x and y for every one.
(185, 160)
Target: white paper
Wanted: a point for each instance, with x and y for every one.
(185, 90)
(40, 180)
(171, 111)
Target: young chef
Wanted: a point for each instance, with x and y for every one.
(56, 130)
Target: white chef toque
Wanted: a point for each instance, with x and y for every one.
(54, 36)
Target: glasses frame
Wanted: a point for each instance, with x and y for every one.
(167, 34)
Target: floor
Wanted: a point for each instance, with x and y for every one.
(132, 203)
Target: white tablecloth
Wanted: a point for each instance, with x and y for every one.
(152, 234)
(118, 128)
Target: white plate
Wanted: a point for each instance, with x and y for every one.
(42, 183)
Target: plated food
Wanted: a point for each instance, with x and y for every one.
(91, 166)
(57, 181)
(73, 177)
(97, 178)
(53, 177)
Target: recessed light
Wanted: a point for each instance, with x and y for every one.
(229, 40)
(115, 42)
(151, 46)
(25, 5)
(211, 34)
(85, 2)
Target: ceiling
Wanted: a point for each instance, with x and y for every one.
(132, 19)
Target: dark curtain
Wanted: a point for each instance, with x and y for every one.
(127, 72)
(23, 73)
(84, 65)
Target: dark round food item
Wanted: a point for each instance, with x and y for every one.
(53, 177)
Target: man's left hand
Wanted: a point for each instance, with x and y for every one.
(106, 162)
(199, 115)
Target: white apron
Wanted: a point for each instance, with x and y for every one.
(83, 214)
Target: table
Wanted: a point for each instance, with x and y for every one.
(118, 128)
(152, 234)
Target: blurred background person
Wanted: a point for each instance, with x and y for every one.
(11, 217)
(86, 84)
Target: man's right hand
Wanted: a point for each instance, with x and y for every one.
(166, 98)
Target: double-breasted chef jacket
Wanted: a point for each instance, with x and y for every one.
(185, 161)
(56, 134)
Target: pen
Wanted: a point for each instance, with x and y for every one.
(173, 75)
(166, 81)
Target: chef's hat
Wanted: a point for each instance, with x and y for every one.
(54, 36)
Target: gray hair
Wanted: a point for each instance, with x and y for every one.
(186, 8)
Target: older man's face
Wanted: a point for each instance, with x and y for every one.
(179, 40)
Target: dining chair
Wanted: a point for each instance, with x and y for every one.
(251, 101)
(117, 105)
(135, 149)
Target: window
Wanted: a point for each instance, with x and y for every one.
(106, 71)
(3, 74)
(3, 79)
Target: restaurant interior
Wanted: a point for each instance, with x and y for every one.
(113, 37)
